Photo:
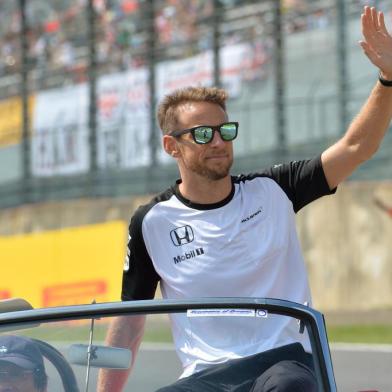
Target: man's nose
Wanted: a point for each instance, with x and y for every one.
(217, 140)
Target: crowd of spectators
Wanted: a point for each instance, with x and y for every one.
(305, 15)
(58, 39)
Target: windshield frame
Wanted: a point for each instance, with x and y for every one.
(310, 318)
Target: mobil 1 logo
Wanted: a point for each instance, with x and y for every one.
(182, 236)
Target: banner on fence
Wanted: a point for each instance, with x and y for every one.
(123, 120)
(60, 132)
(60, 120)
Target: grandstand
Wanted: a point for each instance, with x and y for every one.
(79, 80)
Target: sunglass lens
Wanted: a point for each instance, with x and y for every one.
(203, 135)
(228, 131)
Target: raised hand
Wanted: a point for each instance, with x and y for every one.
(377, 43)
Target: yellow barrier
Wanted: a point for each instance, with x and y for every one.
(11, 119)
(64, 267)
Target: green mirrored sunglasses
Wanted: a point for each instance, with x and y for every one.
(203, 134)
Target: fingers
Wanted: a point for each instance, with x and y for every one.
(373, 25)
(367, 24)
(374, 19)
(377, 42)
(381, 23)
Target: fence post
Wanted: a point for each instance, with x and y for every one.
(152, 37)
(217, 17)
(92, 85)
(343, 83)
(280, 83)
(151, 60)
(24, 92)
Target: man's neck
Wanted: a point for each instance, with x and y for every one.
(204, 191)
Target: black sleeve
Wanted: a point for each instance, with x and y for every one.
(302, 181)
(139, 277)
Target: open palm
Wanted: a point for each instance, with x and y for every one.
(377, 43)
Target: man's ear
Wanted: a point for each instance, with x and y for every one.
(170, 146)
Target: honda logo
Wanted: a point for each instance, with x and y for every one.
(182, 235)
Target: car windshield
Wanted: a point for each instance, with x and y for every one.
(75, 344)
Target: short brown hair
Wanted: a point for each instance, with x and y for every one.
(167, 116)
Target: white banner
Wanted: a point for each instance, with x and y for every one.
(59, 144)
(111, 98)
(238, 62)
(123, 120)
(233, 60)
(193, 71)
(135, 144)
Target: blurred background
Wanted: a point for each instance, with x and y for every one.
(80, 148)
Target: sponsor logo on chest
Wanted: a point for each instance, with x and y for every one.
(188, 255)
(182, 236)
(252, 215)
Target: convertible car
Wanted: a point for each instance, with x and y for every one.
(72, 338)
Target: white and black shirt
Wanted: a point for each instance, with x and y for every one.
(244, 246)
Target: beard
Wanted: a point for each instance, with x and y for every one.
(215, 173)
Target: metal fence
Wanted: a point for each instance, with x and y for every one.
(80, 80)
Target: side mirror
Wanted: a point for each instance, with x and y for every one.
(14, 305)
